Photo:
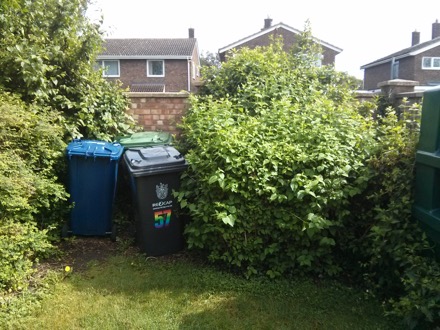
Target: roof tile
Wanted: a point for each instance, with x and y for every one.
(147, 88)
(148, 47)
(404, 52)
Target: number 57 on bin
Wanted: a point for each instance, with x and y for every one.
(162, 218)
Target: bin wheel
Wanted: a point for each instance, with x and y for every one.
(113, 233)
(65, 231)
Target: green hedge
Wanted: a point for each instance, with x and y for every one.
(276, 155)
(20, 246)
(31, 197)
(286, 176)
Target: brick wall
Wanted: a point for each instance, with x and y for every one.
(158, 111)
(163, 111)
(135, 72)
(396, 91)
(374, 75)
(176, 75)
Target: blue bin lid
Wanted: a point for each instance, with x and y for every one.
(93, 148)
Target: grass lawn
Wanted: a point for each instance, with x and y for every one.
(135, 292)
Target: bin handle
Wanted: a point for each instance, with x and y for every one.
(90, 152)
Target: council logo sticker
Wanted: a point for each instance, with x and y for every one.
(162, 191)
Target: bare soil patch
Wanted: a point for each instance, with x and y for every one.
(79, 252)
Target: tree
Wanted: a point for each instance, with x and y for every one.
(209, 59)
(47, 54)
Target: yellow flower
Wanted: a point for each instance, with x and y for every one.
(67, 269)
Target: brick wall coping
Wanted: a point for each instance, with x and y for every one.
(418, 94)
(398, 82)
(159, 95)
(362, 93)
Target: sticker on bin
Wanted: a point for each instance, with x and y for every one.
(163, 208)
(162, 191)
(162, 218)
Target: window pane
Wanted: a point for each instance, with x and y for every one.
(426, 62)
(111, 68)
(318, 62)
(156, 68)
(395, 73)
(436, 62)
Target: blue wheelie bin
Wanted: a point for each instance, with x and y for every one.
(93, 172)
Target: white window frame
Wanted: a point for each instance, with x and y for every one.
(103, 66)
(154, 75)
(431, 61)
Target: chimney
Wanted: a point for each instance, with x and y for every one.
(415, 38)
(267, 23)
(435, 29)
(191, 33)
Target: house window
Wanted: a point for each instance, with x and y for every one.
(431, 63)
(318, 62)
(110, 68)
(155, 68)
(395, 70)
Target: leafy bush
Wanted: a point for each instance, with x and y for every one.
(275, 158)
(47, 55)
(31, 150)
(48, 50)
(388, 250)
(32, 153)
(381, 224)
(20, 244)
(419, 301)
(289, 174)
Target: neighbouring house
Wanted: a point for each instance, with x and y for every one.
(290, 37)
(420, 63)
(152, 65)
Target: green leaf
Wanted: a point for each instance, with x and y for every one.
(229, 220)
(213, 179)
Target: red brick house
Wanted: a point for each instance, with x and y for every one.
(420, 62)
(152, 65)
(290, 36)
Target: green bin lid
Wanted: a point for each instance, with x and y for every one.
(146, 139)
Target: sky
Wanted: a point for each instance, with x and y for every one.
(365, 30)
